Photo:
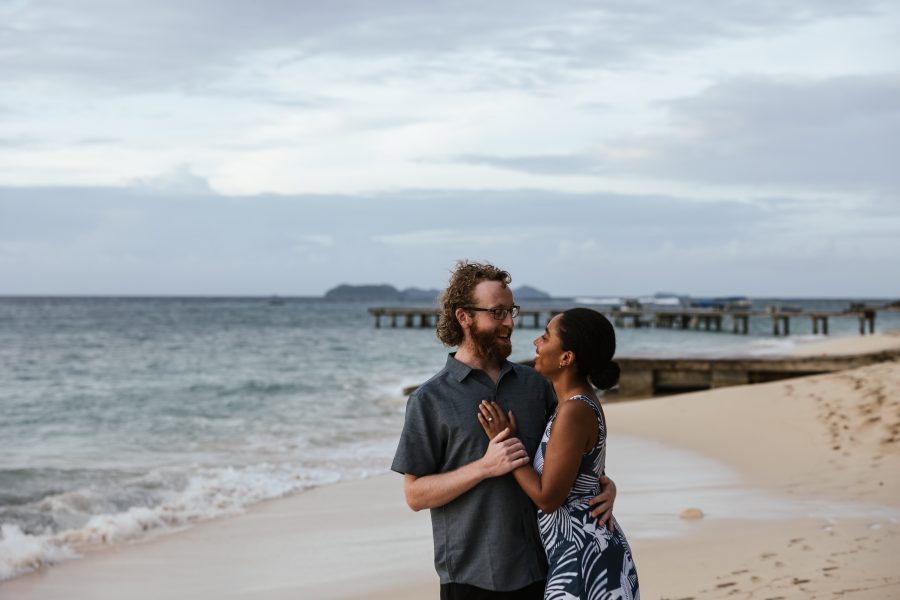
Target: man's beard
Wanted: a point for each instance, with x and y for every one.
(487, 347)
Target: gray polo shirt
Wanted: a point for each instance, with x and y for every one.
(488, 536)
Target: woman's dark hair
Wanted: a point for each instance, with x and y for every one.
(591, 337)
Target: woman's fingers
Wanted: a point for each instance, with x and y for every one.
(499, 414)
(495, 412)
(491, 425)
(485, 425)
(491, 416)
(488, 410)
(485, 410)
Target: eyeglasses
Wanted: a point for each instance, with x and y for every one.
(497, 313)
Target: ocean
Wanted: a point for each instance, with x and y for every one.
(122, 418)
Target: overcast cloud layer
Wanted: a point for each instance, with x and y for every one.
(591, 148)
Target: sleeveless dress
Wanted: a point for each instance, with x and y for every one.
(586, 560)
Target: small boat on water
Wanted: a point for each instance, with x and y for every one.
(783, 308)
(608, 301)
(659, 299)
(722, 303)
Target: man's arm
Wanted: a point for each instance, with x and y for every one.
(503, 455)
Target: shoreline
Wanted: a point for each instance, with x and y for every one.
(358, 539)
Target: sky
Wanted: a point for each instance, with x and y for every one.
(217, 147)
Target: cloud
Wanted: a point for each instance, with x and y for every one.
(316, 239)
(593, 146)
(19, 141)
(839, 133)
(164, 45)
(180, 179)
(139, 240)
(481, 239)
(842, 132)
(571, 164)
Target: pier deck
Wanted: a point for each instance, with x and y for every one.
(684, 318)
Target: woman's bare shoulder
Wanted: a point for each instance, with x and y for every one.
(575, 407)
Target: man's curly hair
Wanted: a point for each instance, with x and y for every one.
(462, 284)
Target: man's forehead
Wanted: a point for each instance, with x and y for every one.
(493, 292)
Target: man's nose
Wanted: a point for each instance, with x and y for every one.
(508, 320)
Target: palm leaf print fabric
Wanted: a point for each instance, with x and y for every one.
(586, 561)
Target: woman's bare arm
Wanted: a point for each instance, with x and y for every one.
(573, 429)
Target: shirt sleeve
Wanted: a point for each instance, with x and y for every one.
(422, 441)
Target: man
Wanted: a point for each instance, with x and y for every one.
(486, 542)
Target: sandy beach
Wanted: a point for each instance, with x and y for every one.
(823, 451)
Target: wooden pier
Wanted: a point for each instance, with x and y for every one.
(644, 377)
(686, 318)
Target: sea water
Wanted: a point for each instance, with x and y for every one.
(127, 417)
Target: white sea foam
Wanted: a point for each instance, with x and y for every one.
(782, 345)
(20, 552)
(207, 493)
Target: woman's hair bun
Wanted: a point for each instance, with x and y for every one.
(606, 376)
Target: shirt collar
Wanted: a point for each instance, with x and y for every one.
(460, 370)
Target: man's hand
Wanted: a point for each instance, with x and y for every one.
(504, 454)
(602, 504)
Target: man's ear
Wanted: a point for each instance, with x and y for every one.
(463, 318)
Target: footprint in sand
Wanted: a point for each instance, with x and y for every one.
(726, 584)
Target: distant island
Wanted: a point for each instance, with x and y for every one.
(383, 292)
(388, 293)
(526, 292)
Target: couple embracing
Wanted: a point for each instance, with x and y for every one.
(485, 441)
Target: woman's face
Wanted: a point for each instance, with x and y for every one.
(548, 349)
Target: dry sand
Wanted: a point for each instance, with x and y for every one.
(831, 438)
(828, 438)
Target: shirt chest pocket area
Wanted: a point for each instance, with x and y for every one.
(531, 429)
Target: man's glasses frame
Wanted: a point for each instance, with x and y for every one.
(498, 313)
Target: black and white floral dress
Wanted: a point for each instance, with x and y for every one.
(586, 560)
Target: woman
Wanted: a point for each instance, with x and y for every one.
(586, 560)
